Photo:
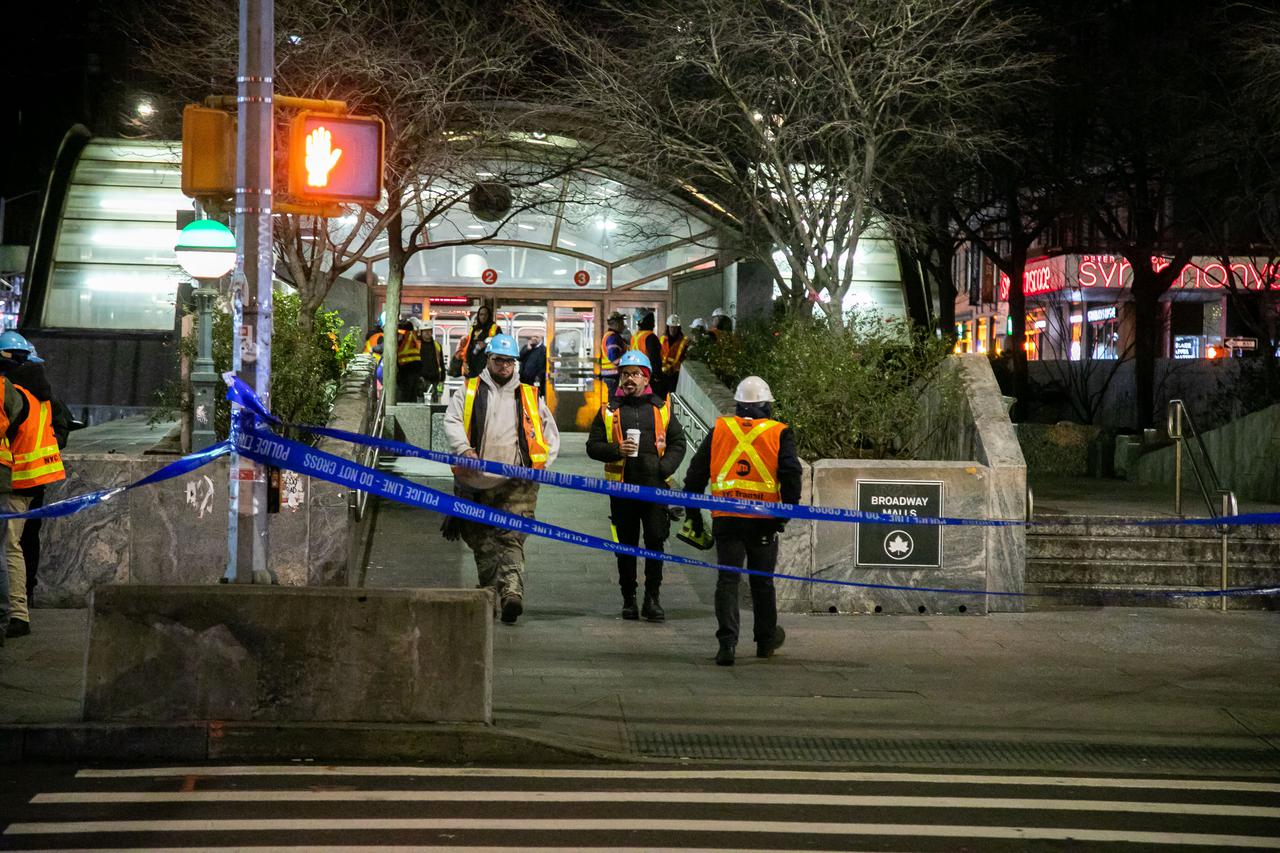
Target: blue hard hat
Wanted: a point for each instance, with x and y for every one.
(503, 345)
(635, 358)
(12, 341)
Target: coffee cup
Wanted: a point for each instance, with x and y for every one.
(633, 435)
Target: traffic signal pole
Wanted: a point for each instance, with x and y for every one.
(251, 285)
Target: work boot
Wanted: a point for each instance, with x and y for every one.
(629, 608)
(512, 607)
(652, 610)
(724, 657)
(768, 647)
(18, 628)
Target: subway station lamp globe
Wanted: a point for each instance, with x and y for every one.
(206, 249)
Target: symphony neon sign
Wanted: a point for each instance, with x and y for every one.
(1048, 275)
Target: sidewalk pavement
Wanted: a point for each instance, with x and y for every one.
(573, 674)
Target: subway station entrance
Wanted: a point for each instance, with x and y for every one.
(552, 273)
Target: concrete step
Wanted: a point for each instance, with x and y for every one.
(1068, 596)
(1101, 526)
(1259, 552)
(1161, 573)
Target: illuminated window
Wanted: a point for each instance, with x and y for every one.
(114, 265)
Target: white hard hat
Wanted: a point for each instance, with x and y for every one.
(673, 320)
(719, 312)
(698, 323)
(416, 322)
(753, 389)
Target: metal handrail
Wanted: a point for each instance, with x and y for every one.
(370, 458)
(1229, 505)
(689, 418)
(1178, 414)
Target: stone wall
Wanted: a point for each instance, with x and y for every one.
(1245, 453)
(175, 532)
(965, 433)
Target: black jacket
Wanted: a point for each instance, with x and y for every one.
(790, 474)
(646, 469)
(533, 365)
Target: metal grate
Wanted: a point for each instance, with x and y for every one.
(884, 751)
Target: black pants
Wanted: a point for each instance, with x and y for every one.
(739, 541)
(628, 519)
(30, 542)
(407, 378)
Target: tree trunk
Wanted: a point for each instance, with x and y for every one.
(1018, 340)
(396, 260)
(1146, 330)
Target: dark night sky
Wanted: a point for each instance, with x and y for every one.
(64, 63)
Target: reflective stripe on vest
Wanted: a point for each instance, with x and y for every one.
(464, 348)
(607, 366)
(744, 460)
(673, 357)
(531, 420)
(640, 339)
(613, 427)
(372, 341)
(34, 456)
(408, 348)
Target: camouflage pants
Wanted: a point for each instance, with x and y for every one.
(499, 553)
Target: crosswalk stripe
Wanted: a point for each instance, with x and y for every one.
(412, 848)
(696, 797)
(1036, 833)
(752, 775)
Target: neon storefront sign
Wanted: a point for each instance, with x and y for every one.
(1112, 272)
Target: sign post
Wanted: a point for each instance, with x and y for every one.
(892, 546)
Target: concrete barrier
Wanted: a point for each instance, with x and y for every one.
(231, 652)
(967, 450)
(175, 532)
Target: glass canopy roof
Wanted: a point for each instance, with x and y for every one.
(114, 266)
(587, 222)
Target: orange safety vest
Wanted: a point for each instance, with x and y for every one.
(613, 427)
(33, 455)
(408, 347)
(531, 420)
(464, 348)
(744, 461)
(673, 357)
(372, 341)
(639, 340)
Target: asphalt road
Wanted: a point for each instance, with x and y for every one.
(305, 806)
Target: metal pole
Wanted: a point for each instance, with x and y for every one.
(204, 378)
(1227, 509)
(251, 350)
(1177, 456)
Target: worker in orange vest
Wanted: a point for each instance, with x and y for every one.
(675, 346)
(646, 341)
(29, 460)
(753, 457)
(612, 346)
(639, 441)
(499, 419)
(408, 363)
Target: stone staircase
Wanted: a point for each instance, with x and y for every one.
(1092, 561)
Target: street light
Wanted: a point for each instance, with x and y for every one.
(206, 251)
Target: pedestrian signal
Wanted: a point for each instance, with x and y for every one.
(335, 158)
(208, 153)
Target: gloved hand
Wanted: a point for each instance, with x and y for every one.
(780, 524)
(696, 522)
(451, 530)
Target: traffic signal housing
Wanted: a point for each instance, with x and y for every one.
(208, 153)
(335, 159)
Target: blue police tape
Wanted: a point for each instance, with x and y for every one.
(72, 505)
(240, 393)
(270, 449)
